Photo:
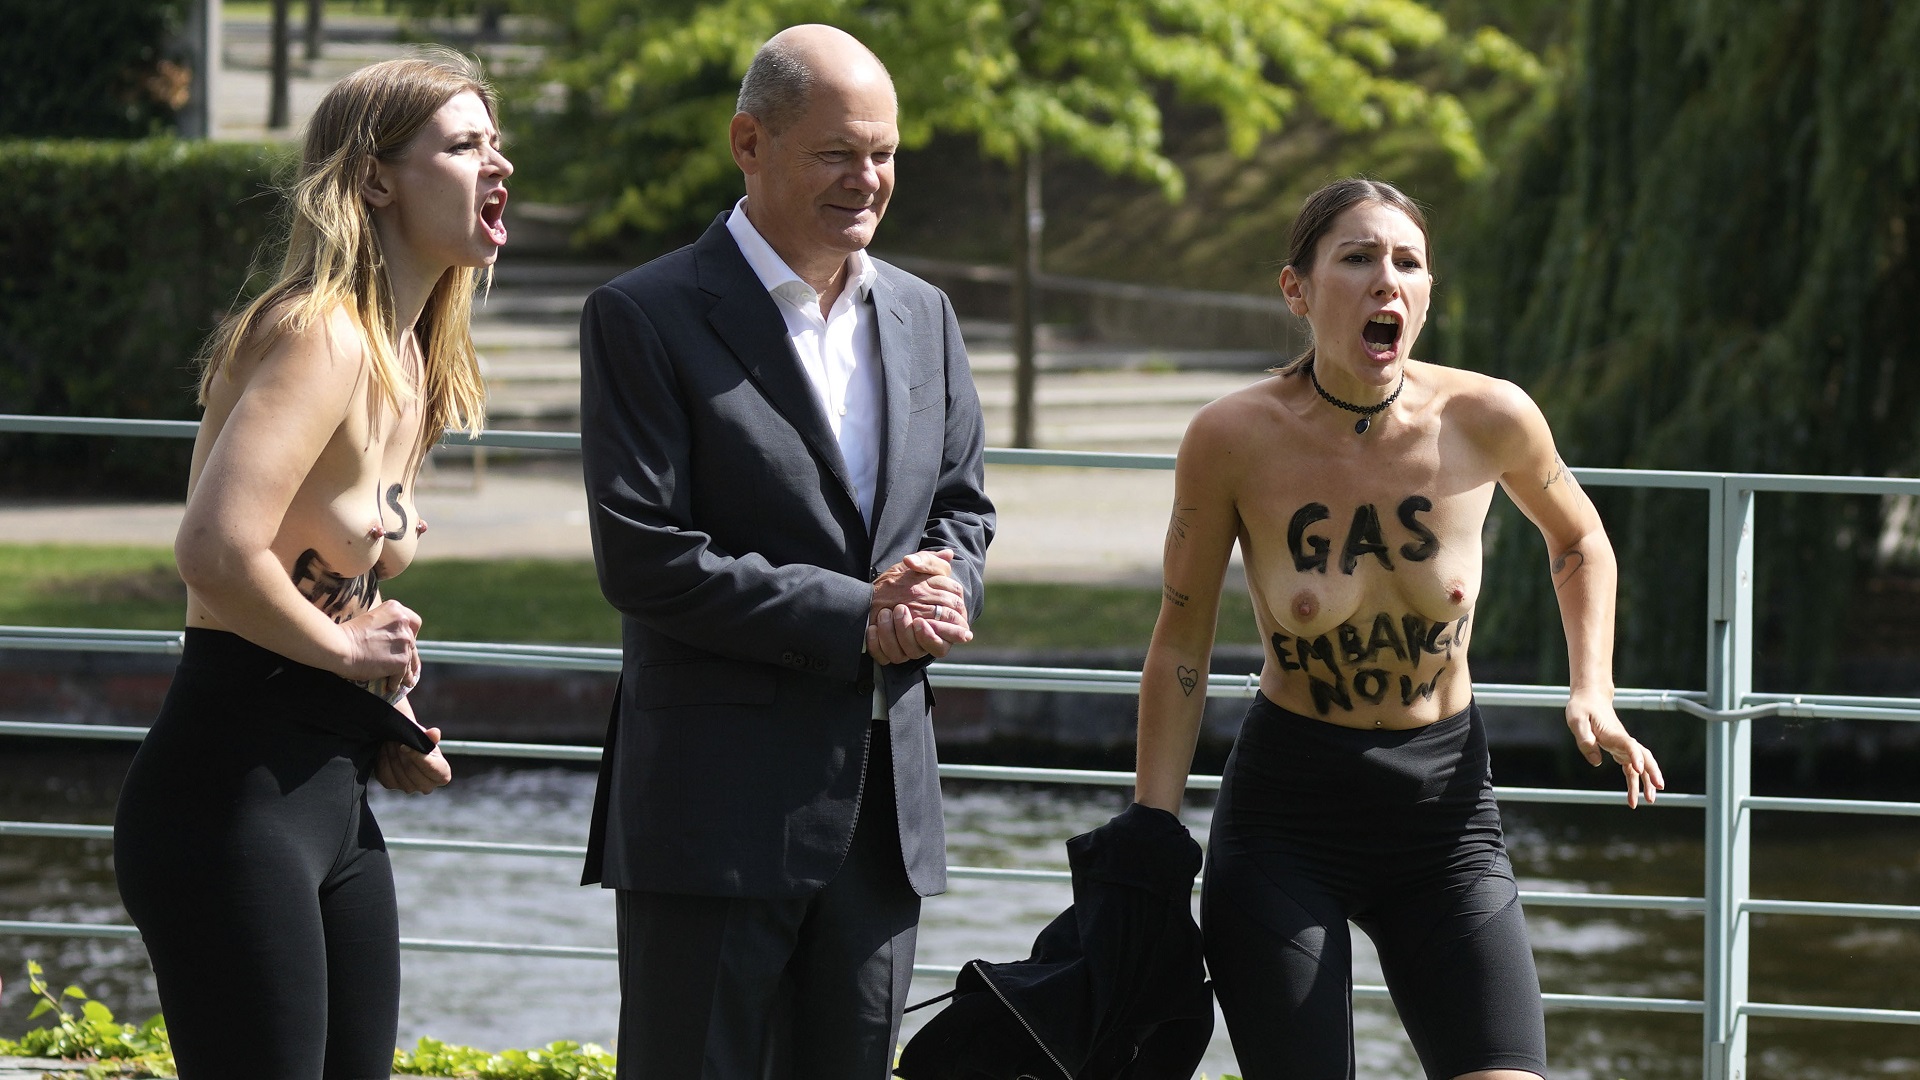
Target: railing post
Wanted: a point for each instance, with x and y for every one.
(1729, 778)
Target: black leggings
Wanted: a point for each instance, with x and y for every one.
(1396, 831)
(247, 856)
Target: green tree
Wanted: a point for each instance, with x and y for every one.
(652, 84)
(1705, 260)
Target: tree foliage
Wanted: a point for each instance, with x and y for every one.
(89, 68)
(651, 83)
(1705, 260)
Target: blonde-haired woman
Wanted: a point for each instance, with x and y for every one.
(243, 844)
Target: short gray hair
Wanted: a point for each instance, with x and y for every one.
(776, 87)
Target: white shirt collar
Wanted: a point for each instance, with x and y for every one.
(776, 276)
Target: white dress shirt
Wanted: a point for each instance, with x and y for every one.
(840, 352)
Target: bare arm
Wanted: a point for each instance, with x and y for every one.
(293, 400)
(1173, 688)
(1585, 577)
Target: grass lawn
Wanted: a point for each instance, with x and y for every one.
(530, 600)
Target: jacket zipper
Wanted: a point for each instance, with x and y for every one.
(1023, 1020)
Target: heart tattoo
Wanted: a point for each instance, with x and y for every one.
(1189, 678)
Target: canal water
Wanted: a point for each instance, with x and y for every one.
(496, 1002)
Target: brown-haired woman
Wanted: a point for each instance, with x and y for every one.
(1356, 483)
(243, 844)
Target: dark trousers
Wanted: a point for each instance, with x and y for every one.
(247, 856)
(799, 988)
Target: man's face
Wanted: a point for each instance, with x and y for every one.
(817, 190)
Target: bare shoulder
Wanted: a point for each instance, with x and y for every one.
(1235, 420)
(1494, 413)
(325, 354)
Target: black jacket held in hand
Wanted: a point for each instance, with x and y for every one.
(1116, 986)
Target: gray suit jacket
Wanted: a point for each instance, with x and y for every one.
(726, 533)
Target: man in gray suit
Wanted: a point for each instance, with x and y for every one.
(782, 447)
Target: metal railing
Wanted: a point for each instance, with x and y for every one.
(1728, 706)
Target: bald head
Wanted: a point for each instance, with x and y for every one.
(795, 61)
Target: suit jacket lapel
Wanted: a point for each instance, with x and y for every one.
(749, 321)
(897, 362)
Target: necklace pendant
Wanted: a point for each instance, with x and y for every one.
(1360, 425)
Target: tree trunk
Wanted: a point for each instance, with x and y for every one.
(277, 95)
(316, 30)
(1028, 222)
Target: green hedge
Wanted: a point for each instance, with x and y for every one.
(116, 261)
(90, 68)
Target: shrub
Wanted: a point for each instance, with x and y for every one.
(89, 68)
(116, 261)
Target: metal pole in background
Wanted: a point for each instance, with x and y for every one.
(277, 95)
(316, 29)
(1029, 221)
(202, 41)
(1729, 838)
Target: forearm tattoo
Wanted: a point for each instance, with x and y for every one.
(1567, 564)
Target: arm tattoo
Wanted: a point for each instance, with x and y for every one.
(1177, 528)
(1567, 565)
(1189, 678)
(1174, 596)
(1559, 470)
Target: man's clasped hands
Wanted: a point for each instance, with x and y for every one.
(918, 609)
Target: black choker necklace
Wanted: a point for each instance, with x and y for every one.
(1367, 412)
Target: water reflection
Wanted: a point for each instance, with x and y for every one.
(499, 1001)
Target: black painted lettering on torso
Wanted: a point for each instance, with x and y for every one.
(1375, 660)
(393, 500)
(1364, 536)
(340, 598)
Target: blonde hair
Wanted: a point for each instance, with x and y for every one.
(333, 257)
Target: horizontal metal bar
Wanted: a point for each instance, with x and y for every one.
(89, 639)
(1825, 485)
(1571, 797)
(1649, 478)
(24, 928)
(978, 873)
(994, 873)
(1831, 806)
(56, 829)
(1828, 1012)
(494, 948)
(97, 425)
(105, 732)
(21, 928)
(1611, 901)
(1006, 455)
(519, 440)
(1827, 908)
(534, 751)
(487, 847)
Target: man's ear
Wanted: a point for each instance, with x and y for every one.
(376, 186)
(748, 141)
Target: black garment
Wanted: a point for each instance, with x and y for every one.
(247, 856)
(1114, 989)
(1397, 831)
(775, 988)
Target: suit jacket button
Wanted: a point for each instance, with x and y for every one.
(787, 657)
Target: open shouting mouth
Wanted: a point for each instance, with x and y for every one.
(1382, 335)
(493, 216)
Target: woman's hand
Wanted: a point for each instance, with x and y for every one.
(1600, 734)
(382, 644)
(402, 768)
